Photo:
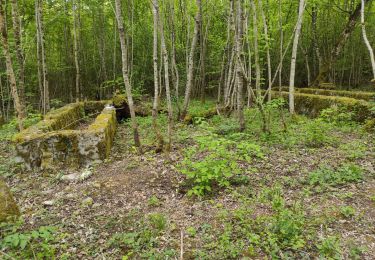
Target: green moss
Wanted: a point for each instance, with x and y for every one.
(368, 96)
(105, 123)
(327, 85)
(119, 100)
(51, 141)
(8, 207)
(312, 105)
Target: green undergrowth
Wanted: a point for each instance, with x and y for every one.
(40, 243)
(142, 239)
(326, 177)
(216, 161)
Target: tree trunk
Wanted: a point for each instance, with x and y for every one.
(190, 72)
(269, 69)
(39, 58)
(175, 73)
(155, 106)
(365, 39)
(294, 55)
(239, 55)
(125, 74)
(166, 77)
(76, 51)
(327, 64)
(17, 27)
(40, 35)
(281, 44)
(9, 66)
(256, 50)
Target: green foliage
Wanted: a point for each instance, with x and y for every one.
(354, 150)
(158, 221)
(8, 130)
(330, 248)
(154, 201)
(327, 177)
(142, 240)
(347, 211)
(316, 134)
(214, 161)
(39, 243)
(337, 115)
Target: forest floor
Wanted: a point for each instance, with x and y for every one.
(305, 193)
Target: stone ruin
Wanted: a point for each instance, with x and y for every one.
(327, 85)
(56, 140)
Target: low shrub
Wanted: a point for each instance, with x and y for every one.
(328, 177)
(214, 161)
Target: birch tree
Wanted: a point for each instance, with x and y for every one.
(166, 76)
(9, 67)
(190, 72)
(239, 76)
(365, 39)
(125, 73)
(294, 56)
(155, 105)
(42, 57)
(76, 51)
(17, 28)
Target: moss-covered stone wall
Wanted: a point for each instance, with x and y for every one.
(312, 105)
(69, 147)
(368, 96)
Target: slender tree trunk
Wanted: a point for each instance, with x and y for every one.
(190, 73)
(281, 44)
(76, 51)
(294, 56)
(39, 57)
(239, 55)
(306, 56)
(17, 27)
(166, 77)
(256, 51)
(175, 73)
(125, 74)
(44, 68)
(155, 106)
(102, 47)
(365, 39)
(269, 69)
(9, 66)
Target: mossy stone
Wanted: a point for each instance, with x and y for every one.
(8, 206)
(119, 100)
(312, 105)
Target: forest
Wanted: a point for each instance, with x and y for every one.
(187, 129)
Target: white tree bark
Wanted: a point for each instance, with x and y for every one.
(269, 68)
(239, 76)
(10, 71)
(125, 73)
(76, 58)
(371, 51)
(155, 105)
(166, 77)
(40, 35)
(294, 56)
(190, 73)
